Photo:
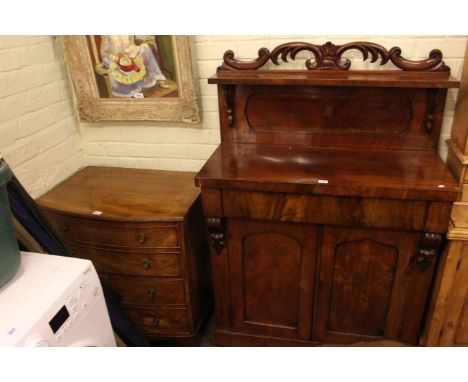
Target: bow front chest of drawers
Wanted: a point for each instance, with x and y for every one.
(144, 232)
(326, 200)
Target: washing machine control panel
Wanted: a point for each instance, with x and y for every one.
(76, 301)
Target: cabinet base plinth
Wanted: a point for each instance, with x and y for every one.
(227, 338)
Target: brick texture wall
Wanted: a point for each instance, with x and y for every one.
(42, 141)
(186, 148)
(39, 135)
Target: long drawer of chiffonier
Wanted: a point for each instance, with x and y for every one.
(337, 210)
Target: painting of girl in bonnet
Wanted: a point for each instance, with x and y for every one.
(133, 66)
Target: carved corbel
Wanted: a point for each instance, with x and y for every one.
(229, 92)
(433, 95)
(217, 229)
(428, 250)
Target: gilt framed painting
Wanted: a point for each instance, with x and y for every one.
(131, 77)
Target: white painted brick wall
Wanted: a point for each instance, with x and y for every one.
(147, 145)
(42, 141)
(39, 135)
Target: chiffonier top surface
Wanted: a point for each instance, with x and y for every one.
(400, 174)
(123, 194)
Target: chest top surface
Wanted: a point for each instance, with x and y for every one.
(123, 194)
(331, 130)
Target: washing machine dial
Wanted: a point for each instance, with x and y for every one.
(37, 341)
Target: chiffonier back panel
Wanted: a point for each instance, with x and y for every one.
(361, 117)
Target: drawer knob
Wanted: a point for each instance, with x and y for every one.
(151, 294)
(142, 238)
(147, 264)
(156, 322)
(65, 228)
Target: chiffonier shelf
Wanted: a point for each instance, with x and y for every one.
(144, 232)
(326, 201)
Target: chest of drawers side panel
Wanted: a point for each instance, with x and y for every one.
(198, 265)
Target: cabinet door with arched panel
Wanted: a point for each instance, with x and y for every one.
(370, 286)
(272, 271)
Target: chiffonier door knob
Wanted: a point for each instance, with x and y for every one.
(147, 264)
(156, 322)
(151, 294)
(142, 238)
(65, 228)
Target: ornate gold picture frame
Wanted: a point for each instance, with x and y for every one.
(96, 79)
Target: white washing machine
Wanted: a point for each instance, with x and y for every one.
(54, 301)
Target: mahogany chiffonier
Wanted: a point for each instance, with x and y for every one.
(326, 200)
(144, 232)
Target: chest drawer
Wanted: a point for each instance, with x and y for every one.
(135, 235)
(160, 321)
(114, 260)
(139, 291)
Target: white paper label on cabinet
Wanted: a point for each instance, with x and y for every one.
(97, 212)
(323, 181)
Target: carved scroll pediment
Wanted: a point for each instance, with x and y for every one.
(330, 57)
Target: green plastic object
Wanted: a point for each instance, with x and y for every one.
(9, 252)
